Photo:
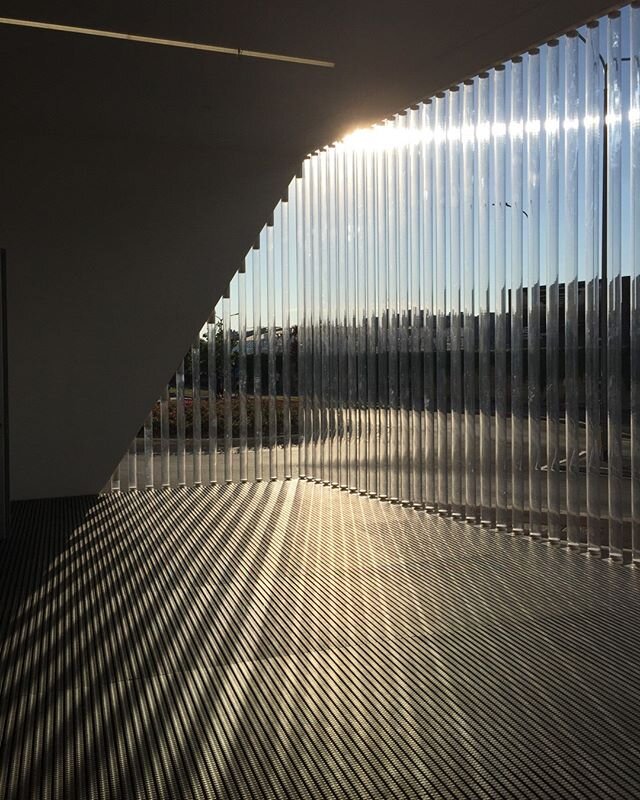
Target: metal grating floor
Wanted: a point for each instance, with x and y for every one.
(283, 640)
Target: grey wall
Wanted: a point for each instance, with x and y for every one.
(134, 178)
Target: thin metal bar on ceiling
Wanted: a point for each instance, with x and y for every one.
(131, 37)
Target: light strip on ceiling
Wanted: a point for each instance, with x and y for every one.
(131, 37)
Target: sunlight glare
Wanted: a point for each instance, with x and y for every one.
(381, 137)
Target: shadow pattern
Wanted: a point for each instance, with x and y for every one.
(278, 640)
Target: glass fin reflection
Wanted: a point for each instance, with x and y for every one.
(443, 312)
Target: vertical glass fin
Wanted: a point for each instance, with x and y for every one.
(634, 173)
(454, 266)
(181, 426)
(441, 305)
(212, 396)
(593, 138)
(196, 413)
(470, 287)
(572, 353)
(165, 440)
(499, 131)
(482, 205)
(517, 218)
(614, 126)
(533, 133)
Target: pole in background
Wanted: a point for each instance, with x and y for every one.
(5, 495)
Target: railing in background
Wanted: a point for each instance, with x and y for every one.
(444, 311)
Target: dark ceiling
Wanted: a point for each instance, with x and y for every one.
(135, 177)
(387, 56)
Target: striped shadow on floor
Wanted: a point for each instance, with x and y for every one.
(283, 640)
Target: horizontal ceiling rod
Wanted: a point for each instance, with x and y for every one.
(132, 37)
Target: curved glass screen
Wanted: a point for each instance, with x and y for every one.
(443, 312)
